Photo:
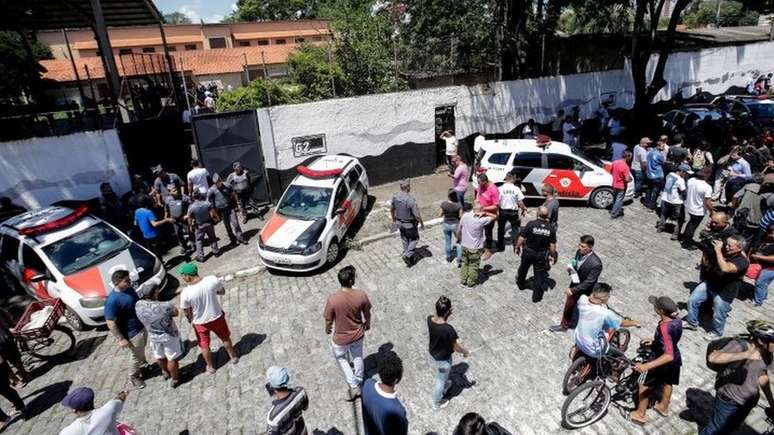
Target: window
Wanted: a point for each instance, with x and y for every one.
(304, 202)
(190, 47)
(10, 249)
(31, 260)
(279, 41)
(171, 48)
(82, 250)
(244, 43)
(124, 51)
(529, 160)
(499, 158)
(352, 178)
(148, 50)
(558, 161)
(299, 40)
(359, 170)
(217, 42)
(263, 42)
(341, 194)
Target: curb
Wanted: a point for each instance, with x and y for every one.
(358, 243)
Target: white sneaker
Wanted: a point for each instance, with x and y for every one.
(447, 386)
(444, 403)
(711, 336)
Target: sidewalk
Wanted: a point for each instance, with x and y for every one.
(430, 191)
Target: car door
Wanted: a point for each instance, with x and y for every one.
(356, 191)
(528, 167)
(31, 266)
(9, 257)
(567, 175)
(342, 208)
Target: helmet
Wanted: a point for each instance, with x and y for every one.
(761, 330)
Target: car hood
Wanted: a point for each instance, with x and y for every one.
(95, 280)
(281, 231)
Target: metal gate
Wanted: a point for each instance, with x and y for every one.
(227, 137)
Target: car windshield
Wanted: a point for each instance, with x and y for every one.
(593, 159)
(86, 248)
(305, 202)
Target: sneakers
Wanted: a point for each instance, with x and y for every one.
(446, 387)
(443, 404)
(711, 336)
(354, 392)
(689, 326)
(557, 328)
(675, 237)
(137, 382)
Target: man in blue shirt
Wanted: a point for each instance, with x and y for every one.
(655, 174)
(739, 174)
(383, 414)
(146, 221)
(124, 325)
(618, 149)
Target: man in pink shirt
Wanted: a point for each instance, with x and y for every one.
(460, 179)
(622, 176)
(488, 196)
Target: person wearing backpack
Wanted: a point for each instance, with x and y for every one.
(742, 366)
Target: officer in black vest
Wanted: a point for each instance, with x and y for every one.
(537, 246)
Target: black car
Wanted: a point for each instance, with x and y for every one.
(688, 119)
(759, 109)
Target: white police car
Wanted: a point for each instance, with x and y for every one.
(574, 174)
(59, 252)
(308, 225)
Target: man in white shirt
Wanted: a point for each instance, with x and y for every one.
(568, 131)
(640, 164)
(470, 233)
(198, 178)
(511, 204)
(672, 199)
(199, 302)
(90, 421)
(451, 147)
(478, 148)
(698, 201)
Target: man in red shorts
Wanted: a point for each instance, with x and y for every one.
(199, 301)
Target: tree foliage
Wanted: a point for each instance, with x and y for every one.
(21, 74)
(259, 93)
(591, 18)
(270, 10)
(732, 13)
(314, 68)
(176, 18)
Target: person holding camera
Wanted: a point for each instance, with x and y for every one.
(722, 277)
(742, 372)
(286, 416)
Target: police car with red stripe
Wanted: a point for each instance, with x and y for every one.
(60, 252)
(308, 226)
(574, 174)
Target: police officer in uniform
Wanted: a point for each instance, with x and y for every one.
(176, 206)
(223, 199)
(239, 180)
(512, 209)
(405, 215)
(201, 218)
(537, 246)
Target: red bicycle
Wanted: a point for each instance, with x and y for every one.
(43, 336)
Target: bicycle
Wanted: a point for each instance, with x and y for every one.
(582, 367)
(589, 402)
(48, 340)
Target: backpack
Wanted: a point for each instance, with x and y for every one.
(731, 373)
(699, 160)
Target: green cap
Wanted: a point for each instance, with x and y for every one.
(188, 269)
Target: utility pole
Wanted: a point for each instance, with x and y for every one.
(75, 69)
(717, 14)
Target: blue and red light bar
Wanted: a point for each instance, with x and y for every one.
(56, 224)
(315, 173)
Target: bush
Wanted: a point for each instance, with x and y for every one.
(314, 68)
(259, 93)
(732, 13)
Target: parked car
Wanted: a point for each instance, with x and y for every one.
(60, 252)
(758, 108)
(308, 226)
(575, 174)
(688, 118)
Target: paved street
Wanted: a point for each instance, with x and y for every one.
(513, 375)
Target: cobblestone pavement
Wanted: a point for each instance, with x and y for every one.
(513, 375)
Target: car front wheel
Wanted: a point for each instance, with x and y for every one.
(74, 319)
(333, 252)
(602, 197)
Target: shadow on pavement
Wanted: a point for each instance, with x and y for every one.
(248, 342)
(331, 431)
(371, 362)
(459, 379)
(486, 272)
(45, 398)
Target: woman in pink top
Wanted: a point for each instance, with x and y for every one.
(488, 196)
(460, 178)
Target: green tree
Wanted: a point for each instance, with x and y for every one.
(314, 68)
(584, 17)
(176, 18)
(259, 93)
(272, 10)
(20, 68)
(732, 13)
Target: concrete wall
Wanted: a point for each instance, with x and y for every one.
(234, 79)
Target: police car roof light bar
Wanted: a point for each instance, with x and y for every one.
(57, 224)
(314, 173)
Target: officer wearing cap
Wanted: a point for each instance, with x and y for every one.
(537, 246)
(103, 420)
(286, 413)
(162, 182)
(405, 216)
(223, 200)
(201, 218)
(176, 208)
(239, 180)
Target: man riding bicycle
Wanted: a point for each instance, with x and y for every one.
(597, 323)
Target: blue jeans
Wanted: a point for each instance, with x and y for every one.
(638, 177)
(448, 233)
(443, 370)
(726, 416)
(762, 285)
(617, 209)
(720, 307)
(460, 197)
(656, 184)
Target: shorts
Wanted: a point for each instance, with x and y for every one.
(171, 349)
(665, 375)
(218, 326)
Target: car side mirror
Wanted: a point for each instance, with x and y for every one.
(340, 210)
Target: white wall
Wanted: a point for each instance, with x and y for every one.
(39, 171)
(225, 79)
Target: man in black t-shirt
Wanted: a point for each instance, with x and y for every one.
(721, 282)
(443, 343)
(537, 246)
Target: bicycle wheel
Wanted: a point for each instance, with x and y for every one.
(579, 372)
(586, 405)
(60, 343)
